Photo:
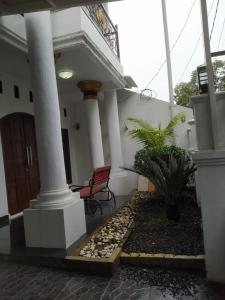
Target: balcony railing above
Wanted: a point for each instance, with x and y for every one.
(100, 17)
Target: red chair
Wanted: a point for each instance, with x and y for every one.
(99, 183)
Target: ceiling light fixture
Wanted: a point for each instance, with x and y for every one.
(66, 74)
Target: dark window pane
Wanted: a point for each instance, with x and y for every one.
(31, 96)
(16, 92)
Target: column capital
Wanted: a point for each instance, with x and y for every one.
(90, 88)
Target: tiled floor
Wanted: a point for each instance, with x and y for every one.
(22, 282)
(12, 240)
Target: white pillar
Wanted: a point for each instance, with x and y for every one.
(54, 196)
(113, 130)
(209, 67)
(90, 89)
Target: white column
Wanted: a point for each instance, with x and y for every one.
(113, 130)
(209, 67)
(55, 202)
(46, 110)
(90, 89)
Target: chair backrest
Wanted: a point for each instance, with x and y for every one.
(100, 175)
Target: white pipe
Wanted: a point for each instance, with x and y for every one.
(168, 58)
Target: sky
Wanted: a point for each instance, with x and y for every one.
(142, 43)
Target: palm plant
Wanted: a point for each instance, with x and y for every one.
(154, 137)
(170, 179)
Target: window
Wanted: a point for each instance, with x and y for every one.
(1, 90)
(16, 92)
(65, 112)
(31, 96)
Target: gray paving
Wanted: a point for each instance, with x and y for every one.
(24, 282)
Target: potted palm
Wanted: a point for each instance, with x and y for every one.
(154, 139)
(170, 178)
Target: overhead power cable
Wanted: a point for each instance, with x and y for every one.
(214, 20)
(190, 59)
(221, 34)
(196, 46)
(175, 43)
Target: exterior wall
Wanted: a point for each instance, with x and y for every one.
(184, 133)
(9, 104)
(155, 112)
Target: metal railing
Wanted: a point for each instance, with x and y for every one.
(100, 17)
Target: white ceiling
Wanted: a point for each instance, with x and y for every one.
(13, 62)
(85, 67)
(9, 7)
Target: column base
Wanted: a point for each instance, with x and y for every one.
(211, 190)
(55, 228)
(122, 182)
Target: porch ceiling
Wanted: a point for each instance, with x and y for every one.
(10, 7)
(85, 67)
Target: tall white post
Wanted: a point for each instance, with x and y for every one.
(113, 130)
(210, 161)
(208, 58)
(55, 203)
(90, 89)
(168, 58)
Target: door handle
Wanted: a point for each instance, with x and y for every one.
(28, 156)
(31, 156)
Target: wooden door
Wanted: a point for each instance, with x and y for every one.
(31, 148)
(21, 173)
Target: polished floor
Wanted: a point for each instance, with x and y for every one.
(12, 239)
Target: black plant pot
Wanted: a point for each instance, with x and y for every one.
(172, 212)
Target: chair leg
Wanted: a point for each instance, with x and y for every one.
(99, 205)
(112, 196)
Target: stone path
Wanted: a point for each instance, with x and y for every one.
(23, 282)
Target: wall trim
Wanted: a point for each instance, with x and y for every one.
(209, 158)
(82, 39)
(12, 38)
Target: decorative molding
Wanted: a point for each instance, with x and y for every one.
(90, 88)
(209, 158)
(78, 39)
(12, 38)
(82, 39)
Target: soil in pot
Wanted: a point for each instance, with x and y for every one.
(172, 212)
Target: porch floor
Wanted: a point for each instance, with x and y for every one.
(12, 238)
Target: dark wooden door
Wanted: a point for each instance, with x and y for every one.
(20, 160)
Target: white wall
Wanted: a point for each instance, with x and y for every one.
(14, 70)
(155, 112)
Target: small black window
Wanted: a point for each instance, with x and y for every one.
(31, 96)
(65, 112)
(1, 91)
(16, 92)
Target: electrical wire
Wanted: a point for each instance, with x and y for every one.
(221, 34)
(214, 20)
(175, 43)
(190, 59)
(196, 46)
